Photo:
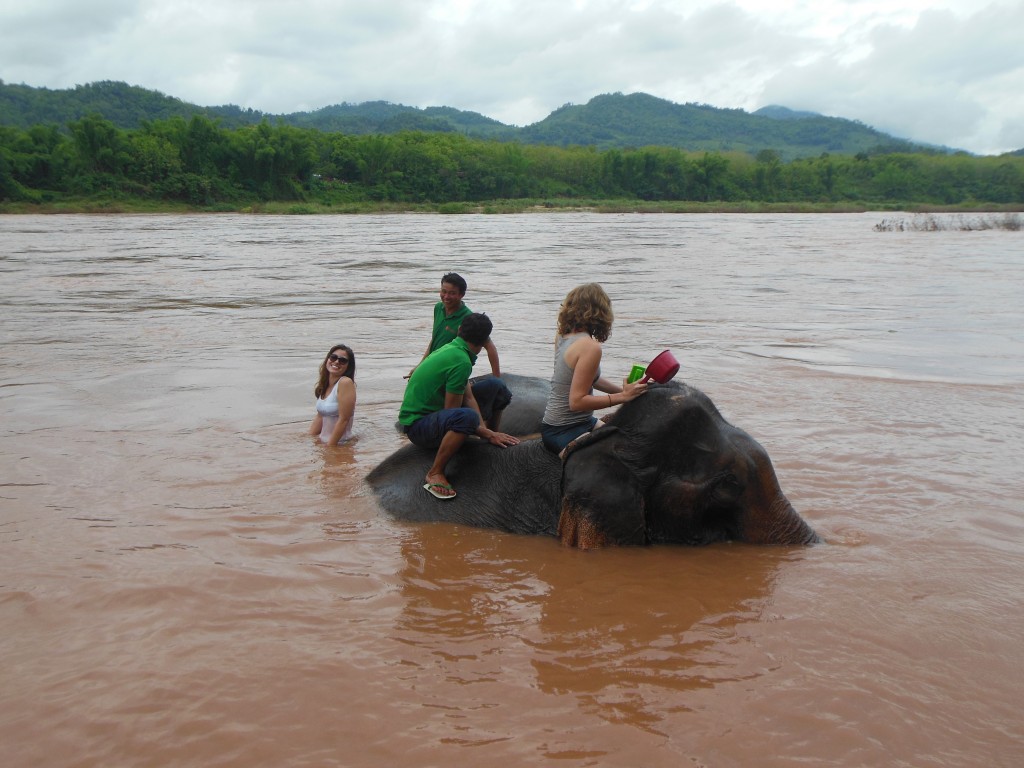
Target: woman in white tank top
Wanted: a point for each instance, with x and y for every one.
(584, 323)
(335, 392)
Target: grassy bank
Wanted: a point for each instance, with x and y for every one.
(127, 205)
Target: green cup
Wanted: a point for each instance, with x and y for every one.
(636, 374)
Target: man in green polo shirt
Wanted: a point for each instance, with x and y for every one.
(439, 409)
(449, 313)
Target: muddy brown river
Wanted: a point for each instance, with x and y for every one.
(188, 579)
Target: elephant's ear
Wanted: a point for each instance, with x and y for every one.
(602, 499)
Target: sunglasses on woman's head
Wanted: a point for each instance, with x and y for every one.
(338, 360)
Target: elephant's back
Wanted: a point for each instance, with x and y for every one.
(511, 489)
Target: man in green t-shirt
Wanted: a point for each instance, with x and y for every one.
(449, 313)
(439, 409)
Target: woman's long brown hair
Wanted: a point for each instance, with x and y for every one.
(587, 307)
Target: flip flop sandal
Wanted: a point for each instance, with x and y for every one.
(430, 488)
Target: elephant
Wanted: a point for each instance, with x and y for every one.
(666, 469)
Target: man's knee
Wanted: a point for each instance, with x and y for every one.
(492, 395)
(463, 420)
(502, 397)
(429, 431)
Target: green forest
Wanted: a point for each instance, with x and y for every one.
(198, 163)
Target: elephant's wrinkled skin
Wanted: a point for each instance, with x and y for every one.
(669, 469)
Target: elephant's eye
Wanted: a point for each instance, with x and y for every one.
(728, 487)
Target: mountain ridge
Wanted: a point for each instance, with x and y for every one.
(607, 121)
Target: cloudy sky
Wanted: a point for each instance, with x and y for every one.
(949, 72)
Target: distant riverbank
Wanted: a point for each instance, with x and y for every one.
(295, 208)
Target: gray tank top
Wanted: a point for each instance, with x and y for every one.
(557, 413)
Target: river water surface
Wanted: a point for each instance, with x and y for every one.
(188, 579)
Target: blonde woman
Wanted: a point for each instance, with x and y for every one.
(584, 324)
(335, 392)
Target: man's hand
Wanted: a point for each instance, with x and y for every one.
(498, 438)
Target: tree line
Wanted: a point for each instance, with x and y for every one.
(200, 163)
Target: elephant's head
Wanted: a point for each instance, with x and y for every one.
(670, 469)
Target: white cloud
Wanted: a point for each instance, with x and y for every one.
(945, 80)
(942, 71)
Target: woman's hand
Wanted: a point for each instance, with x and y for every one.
(632, 391)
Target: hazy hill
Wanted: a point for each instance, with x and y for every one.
(638, 119)
(384, 117)
(607, 121)
(784, 113)
(122, 104)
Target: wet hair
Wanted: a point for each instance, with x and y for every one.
(476, 328)
(586, 307)
(323, 382)
(457, 280)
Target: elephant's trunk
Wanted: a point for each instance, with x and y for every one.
(779, 525)
(769, 517)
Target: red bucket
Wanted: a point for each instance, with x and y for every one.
(662, 368)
